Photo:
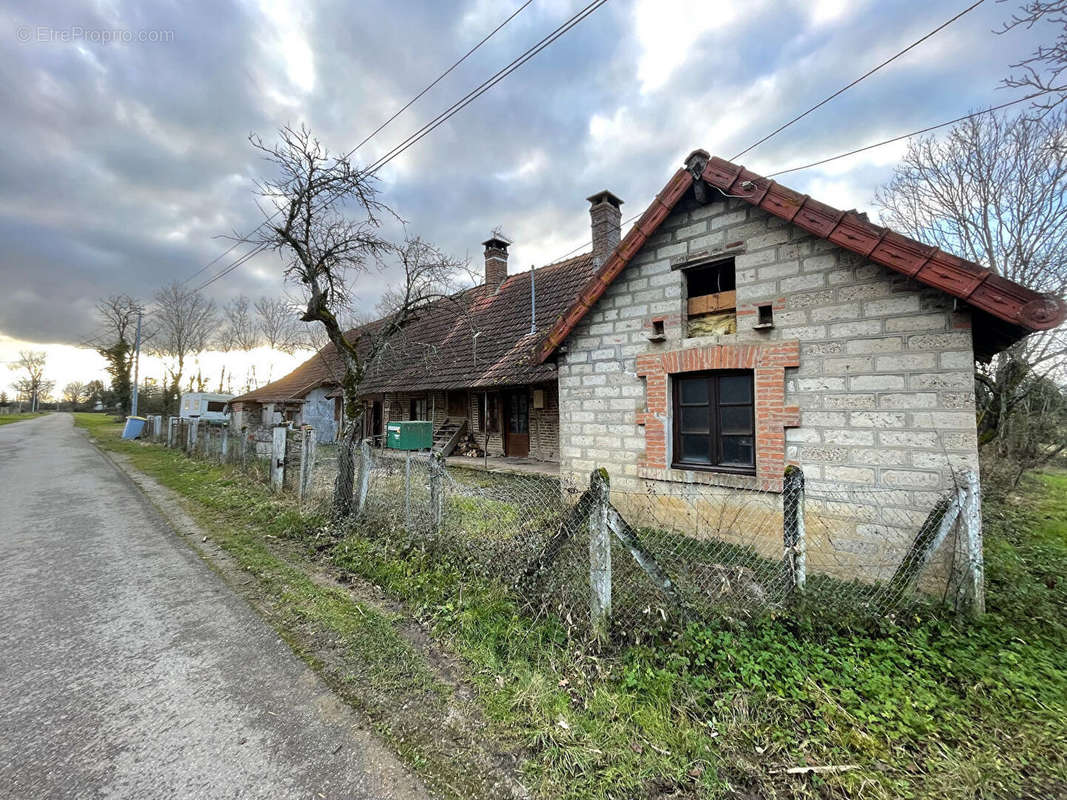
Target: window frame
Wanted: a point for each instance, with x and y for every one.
(715, 434)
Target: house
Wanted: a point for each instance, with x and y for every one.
(741, 327)
(467, 363)
(208, 406)
(738, 328)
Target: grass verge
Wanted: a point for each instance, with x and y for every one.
(7, 419)
(922, 707)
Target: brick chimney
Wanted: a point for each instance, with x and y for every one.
(606, 217)
(496, 260)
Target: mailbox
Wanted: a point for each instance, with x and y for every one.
(414, 435)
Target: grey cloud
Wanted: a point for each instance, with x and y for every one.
(119, 163)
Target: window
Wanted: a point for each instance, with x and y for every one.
(489, 416)
(215, 405)
(417, 408)
(711, 298)
(519, 413)
(714, 424)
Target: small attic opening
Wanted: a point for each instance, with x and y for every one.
(711, 299)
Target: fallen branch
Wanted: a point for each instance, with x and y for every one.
(816, 770)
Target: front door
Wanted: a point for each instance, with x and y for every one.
(517, 430)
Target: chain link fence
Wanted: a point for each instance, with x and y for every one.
(622, 563)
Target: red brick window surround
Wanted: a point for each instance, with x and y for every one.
(767, 361)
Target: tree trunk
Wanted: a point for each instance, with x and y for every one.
(344, 486)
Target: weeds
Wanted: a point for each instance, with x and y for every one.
(918, 706)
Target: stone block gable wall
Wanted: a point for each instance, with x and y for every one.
(878, 405)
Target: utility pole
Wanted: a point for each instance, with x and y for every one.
(136, 367)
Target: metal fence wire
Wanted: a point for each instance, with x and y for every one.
(618, 562)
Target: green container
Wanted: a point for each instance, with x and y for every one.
(415, 435)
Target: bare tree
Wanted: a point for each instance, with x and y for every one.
(277, 324)
(114, 340)
(185, 322)
(74, 393)
(240, 330)
(31, 385)
(994, 191)
(1044, 72)
(325, 222)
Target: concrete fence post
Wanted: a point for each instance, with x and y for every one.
(407, 494)
(224, 453)
(365, 465)
(172, 425)
(599, 555)
(795, 558)
(968, 564)
(277, 458)
(437, 474)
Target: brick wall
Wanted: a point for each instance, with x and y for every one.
(879, 405)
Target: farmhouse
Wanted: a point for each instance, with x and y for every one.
(468, 364)
(738, 328)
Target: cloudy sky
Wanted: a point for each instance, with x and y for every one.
(122, 162)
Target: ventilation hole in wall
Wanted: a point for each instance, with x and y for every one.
(765, 318)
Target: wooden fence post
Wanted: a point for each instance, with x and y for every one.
(599, 555)
(795, 556)
(307, 460)
(277, 458)
(365, 465)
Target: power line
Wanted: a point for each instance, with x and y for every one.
(844, 89)
(259, 248)
(380, 128)
(582, 246)
(905, 136)
(439, 78)
(849, 153)
(447, 114)
(486, 85)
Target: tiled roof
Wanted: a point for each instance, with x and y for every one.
(1023, 309)
(439, 350)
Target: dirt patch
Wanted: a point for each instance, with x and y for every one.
(440, 732)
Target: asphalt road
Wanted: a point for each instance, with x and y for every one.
(129, 669)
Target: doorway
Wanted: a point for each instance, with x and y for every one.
(458, 407)
(517, 429)
(376, 423)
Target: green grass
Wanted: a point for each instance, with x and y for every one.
(7, 419)
(925, 707)
(922, 707)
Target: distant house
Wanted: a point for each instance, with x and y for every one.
(739, 327)
(468, 364)
(209, 406)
